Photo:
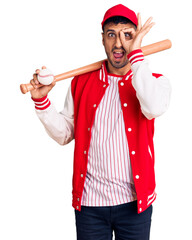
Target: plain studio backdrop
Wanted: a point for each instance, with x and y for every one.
(35, 171)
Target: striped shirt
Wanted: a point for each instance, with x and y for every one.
(109, 176)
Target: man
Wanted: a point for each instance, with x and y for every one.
(110, 113)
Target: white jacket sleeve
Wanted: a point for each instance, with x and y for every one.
(152, 92)
(59, 125)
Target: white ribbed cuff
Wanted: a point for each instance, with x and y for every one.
(135, 56)
(41, 103)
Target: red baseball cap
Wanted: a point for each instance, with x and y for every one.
(120, 10)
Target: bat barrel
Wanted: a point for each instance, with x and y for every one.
(156, 47)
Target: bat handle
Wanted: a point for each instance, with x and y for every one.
(28, 87)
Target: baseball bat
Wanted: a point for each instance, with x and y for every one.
(147, 50)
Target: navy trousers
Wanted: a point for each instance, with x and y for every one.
(100, 223)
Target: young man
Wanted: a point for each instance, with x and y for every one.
(110, 113)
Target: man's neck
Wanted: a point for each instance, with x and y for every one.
(117, 71)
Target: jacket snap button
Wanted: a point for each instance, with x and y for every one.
(85, 152)
(77, 207)
(82, 175)
(125, 104)
(104, 85)
(129, 129)
(137, 176)
(78, 199)
(140, 209)
(122, 83)
(94, 105)
(140, 201)
(133, 152)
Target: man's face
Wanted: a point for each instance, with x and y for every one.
(116, 54)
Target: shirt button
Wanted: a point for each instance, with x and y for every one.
(133, 152)
(81, 175)
(94, 105)
(122, 83)
(125, 104)
(137, 176)
(77, 207)
(129, 129)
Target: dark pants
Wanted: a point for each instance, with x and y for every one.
(99, 223)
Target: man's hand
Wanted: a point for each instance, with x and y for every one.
(131, 39)
(42, 91)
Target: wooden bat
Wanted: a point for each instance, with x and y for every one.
(147, 50)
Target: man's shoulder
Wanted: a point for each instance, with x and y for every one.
(79, 82)
(86, 76)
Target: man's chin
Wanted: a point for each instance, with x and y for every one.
(119, 64)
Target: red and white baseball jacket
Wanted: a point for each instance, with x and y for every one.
(143, 96)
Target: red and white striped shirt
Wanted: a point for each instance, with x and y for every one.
(109, 177)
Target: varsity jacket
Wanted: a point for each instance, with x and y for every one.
(143, 96)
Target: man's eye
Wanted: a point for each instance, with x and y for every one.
(111, 34)
(127, 35)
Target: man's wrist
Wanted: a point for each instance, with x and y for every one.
(41, 103)
(135, 56)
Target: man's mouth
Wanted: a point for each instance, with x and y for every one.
(118, 55)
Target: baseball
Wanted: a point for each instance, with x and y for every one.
(45, 76)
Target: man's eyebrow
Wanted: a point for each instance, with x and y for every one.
(110, 30)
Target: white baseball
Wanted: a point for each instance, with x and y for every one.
(45, 76)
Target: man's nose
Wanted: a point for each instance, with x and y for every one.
(118, 43)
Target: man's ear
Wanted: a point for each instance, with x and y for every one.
(102, 37)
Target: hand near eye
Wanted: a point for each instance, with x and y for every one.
(135, 41)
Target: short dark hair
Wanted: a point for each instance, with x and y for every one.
(116, 20)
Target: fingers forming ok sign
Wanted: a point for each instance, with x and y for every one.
(131, 39)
